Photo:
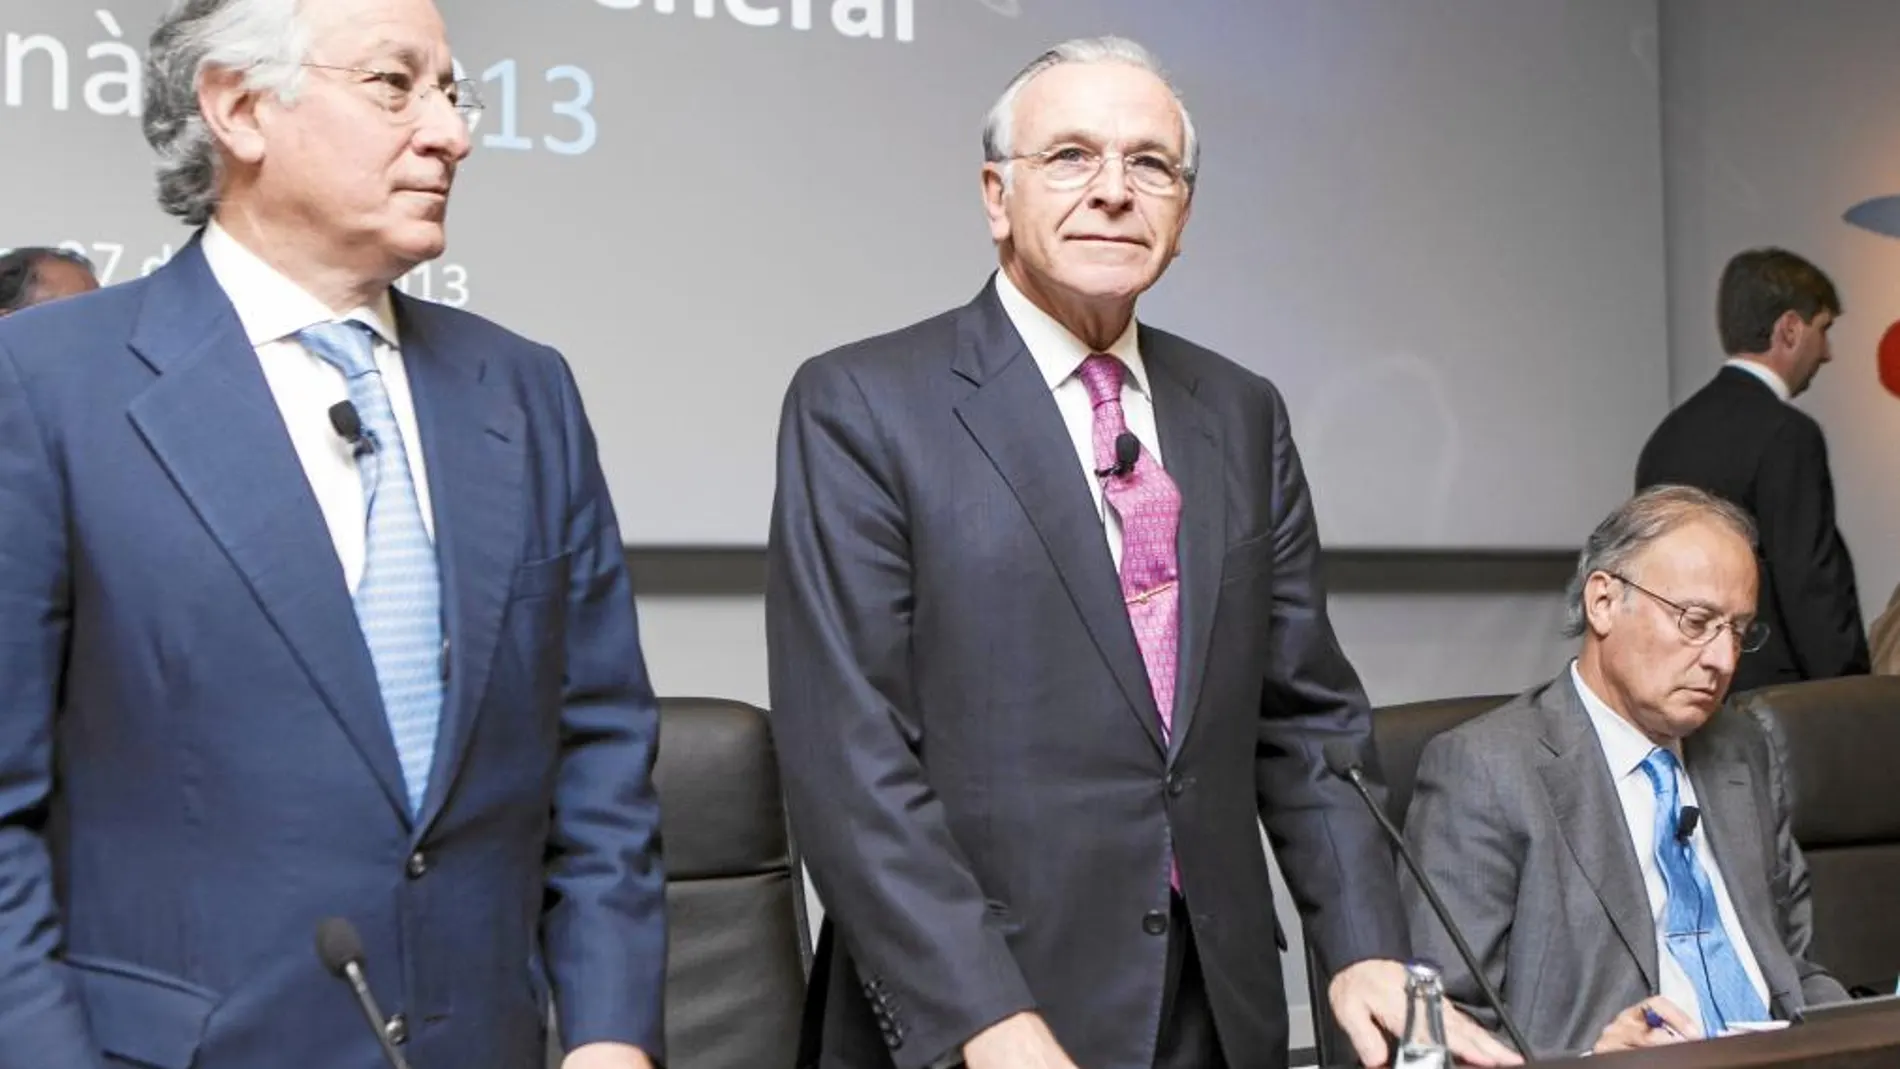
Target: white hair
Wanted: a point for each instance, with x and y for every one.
(261, 39)
(998, 145)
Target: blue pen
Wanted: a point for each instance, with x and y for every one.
(1654, 1020)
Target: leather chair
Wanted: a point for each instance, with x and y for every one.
(1838, 739)
(1400, 732)
(737, 931)
(738, 940)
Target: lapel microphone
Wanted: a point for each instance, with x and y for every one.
(1127, 449)
(1686, 822)
(348, 425)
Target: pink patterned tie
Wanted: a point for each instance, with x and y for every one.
(1149, 505)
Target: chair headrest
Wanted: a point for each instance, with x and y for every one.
(1401, 732)
(721, 811)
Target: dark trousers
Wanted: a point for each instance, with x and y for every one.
(1187, 1039)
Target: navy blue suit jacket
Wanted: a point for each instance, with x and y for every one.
(195, 767)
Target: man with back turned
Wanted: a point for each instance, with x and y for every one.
(1741, 438)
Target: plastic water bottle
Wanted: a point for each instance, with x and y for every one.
(1422, 1043)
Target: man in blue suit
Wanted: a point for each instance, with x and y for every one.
(312, 604)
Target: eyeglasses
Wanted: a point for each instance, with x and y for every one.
(1700, 625)
(1073, 167)
(401, 95)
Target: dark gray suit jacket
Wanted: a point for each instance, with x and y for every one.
(971, 751)
(1516, 820)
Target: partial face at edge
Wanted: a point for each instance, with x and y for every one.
(57, 279)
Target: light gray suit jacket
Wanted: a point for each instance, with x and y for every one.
(1516, 820)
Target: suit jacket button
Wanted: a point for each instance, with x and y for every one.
(396, 1030)
(1176, 784)
(418, 865)
(1155, 923)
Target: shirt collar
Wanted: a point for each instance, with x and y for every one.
(1624, 748)
(269, 305)
(1763, 372)
(1057, 352)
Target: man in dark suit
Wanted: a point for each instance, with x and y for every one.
(1741, 439)
(1558, 830)
(312, 604)
(1034, 690)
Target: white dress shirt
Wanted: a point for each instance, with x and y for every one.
(1625, 748)
(1765, 373)
(272, 310)
(1059, 355)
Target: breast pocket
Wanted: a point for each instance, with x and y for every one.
(537, 616)
(1246, 559)
(540, 578)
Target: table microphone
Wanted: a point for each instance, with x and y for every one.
(1342, 758)
(342, 952)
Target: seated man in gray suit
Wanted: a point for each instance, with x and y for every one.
(1610, 843)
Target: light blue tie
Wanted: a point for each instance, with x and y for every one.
(399, 601)
(1692, 926)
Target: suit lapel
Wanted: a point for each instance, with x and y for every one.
(1191, 453)
(1014, 419)
(1577, 779)
(472, 443)
(211, 421)
(1724, 788)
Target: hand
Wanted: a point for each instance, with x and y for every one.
(1019, 1042)
(606, 1056)
(1630, 1029)
(1368, 1000)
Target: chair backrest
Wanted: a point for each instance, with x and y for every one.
(1400, 732)
(1839, 739)
(737, 938)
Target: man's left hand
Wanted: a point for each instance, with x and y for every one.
(606, 1056)
(1368, 1000)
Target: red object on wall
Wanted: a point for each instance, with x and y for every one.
(1890, 360)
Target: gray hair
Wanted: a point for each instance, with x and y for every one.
(1637, 523)
(998, 144)
(262, 39)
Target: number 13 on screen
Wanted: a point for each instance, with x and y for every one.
(572, 108)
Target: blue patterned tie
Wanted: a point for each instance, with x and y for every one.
(1691, 924)
(399, 601)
